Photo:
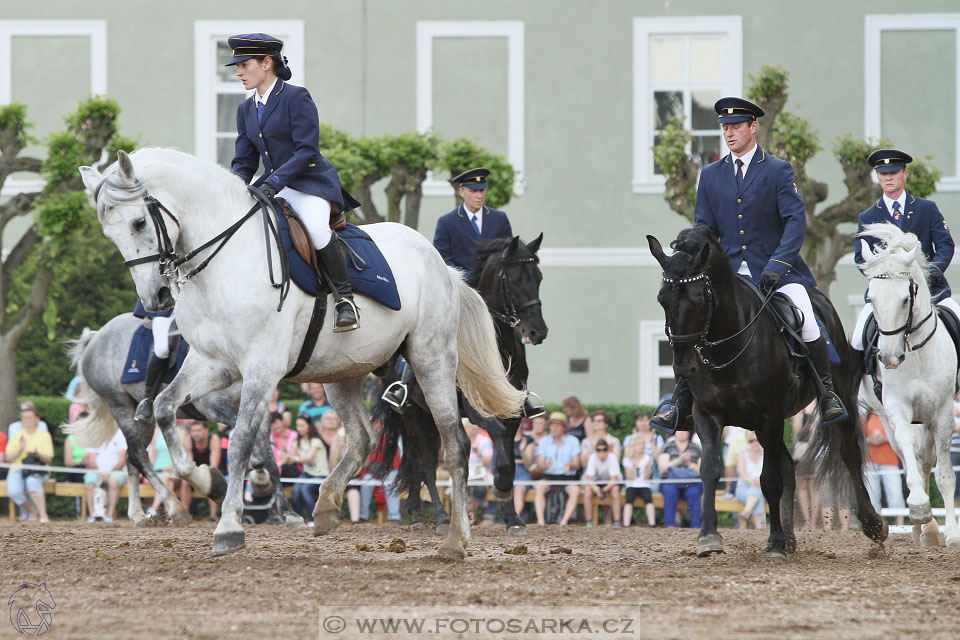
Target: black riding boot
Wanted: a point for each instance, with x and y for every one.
(681, 406)
(155, 368)
(859, 370)
(831, 408)
(335, 264)
(397, 393)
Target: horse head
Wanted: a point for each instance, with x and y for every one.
(509, 280)
(686, 293)
(142, 229)
(898, 288)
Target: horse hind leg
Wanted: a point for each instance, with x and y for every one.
(946, 481)
(789, 478)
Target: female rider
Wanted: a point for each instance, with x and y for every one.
(279, 126)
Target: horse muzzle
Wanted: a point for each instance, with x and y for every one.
(162, 300)
(892, 362)
(534, 336)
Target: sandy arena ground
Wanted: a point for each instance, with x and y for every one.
(116, 581)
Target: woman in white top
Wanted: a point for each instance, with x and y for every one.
(310, 452)
(638, 469)
(749, 466)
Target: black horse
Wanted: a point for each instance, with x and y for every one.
(508, 278)
(742, 372)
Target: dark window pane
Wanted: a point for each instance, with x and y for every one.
(704, 117)
(665, 357)
(227, 104)
(706, 149)
(225, 150)
(224, 53)
(666, 386)
(667, 105)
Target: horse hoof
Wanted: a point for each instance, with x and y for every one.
(451, 552)
(953, 541)
(218, 486)
(517, 530)
(274, 520)
(776, 557)
(881, 537)
(415, 526)
(293, 521)
(921, 514)
(324, 523)
(141, 523)
(442, 528)
(224, 543)
(181, 518)
(930, 539)
(502, 496)
(708, 544)
(791, 545)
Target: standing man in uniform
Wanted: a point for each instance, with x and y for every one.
(750, 200)
(912, 215)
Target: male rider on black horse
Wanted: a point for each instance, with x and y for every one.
(750, 200)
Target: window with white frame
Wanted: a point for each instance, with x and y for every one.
(656, 363)
(218, 91)
(682, 66)
(890, 41)
(512, 32)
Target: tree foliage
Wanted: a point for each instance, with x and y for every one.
(792, 138)
(463, 154)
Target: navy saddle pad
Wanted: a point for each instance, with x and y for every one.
(135, 367)
(369, 275)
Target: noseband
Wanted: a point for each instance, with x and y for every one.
(908, 327)
(509, 312)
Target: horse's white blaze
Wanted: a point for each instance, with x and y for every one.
(921, 388)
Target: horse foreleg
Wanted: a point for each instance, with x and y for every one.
(789, 479)
(262, 457)
(946, 481)
(711, 467)
(904, 434)
(440, 518)
(771, 483)
(347, 399)
(851, 453)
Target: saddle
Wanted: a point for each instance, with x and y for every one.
(788, 315)
(871, 334)
(301, 240)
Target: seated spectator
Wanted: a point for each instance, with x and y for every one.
(598, 424)
(734, 443)
(524, 456)
(205, 449)
(603, 479)
(330, 432)
(281, 442)
(163, 465)
(882, 467)
(749, 467)
(75, 392)
(368, 491)
(680, 461)
(311, 454)
(638, 470)
(16, 426)
(78, 458)
(275, 406)
(317, 405)
(641, 427)
(559, 456)
(480, 468)
(33, 446)
(577, 417)
(110, 464)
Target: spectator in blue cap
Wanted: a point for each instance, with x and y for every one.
(279, 127)
(751, 202)
(913, 215)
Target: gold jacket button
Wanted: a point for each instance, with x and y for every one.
(267, 152)
(744, 247)
(739, 200)
(261, 135)
(741, 231)
(740, 216)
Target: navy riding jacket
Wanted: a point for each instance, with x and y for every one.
(456, 238)
(763, 221)
(286, 141)
(923, 219)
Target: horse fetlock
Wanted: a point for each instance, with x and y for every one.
(218, 486)
(502, 496)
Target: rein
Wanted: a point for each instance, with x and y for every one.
(906, 329)
(170, 261)
(510, 313)
(700, 338)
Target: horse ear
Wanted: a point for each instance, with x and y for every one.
(865, 250)
(912, 256)
(512, 247)
(657, 250)
(125, 166)
(535, 245)
(703, 255)
(91, 178)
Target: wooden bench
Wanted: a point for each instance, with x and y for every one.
(48, 487)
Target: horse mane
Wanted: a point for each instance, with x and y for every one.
(892, 254)
(485, 250)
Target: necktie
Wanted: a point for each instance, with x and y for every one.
(739, 172)
(259, 111)
(896, 212)
(476, 227)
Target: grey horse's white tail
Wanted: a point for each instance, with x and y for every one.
(98, 427)
(480, 372)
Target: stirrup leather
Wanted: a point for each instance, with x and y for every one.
(393, 388)
(356, 314)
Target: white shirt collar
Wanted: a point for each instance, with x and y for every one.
(266, 96)
(902, 200)
(470, 215)
(747, 159)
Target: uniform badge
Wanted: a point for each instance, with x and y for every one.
(945, 225)
(795, 188)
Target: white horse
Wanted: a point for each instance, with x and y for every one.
(919, 373)
(228, 313)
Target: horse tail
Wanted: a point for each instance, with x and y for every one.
(480, 372)
(827, 457)
(99, 425)
(421, 446)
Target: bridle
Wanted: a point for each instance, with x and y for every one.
(699, 339)
(509, 312)
(908, 327)
(168, 258)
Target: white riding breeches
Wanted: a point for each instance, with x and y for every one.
(315, 213)
(161, 335)
(856, 340)
(809, 330)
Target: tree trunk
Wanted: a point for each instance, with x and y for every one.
(394, 194)
(8, 383)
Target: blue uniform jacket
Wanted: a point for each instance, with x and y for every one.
(923, 219)
(456, 238)
(286, 141)
(763, 222)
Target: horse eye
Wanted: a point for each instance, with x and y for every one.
(139, 224)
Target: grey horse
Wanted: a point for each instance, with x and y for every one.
(99, 357)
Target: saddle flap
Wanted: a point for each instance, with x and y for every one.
(298, 233)
(787, 312)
